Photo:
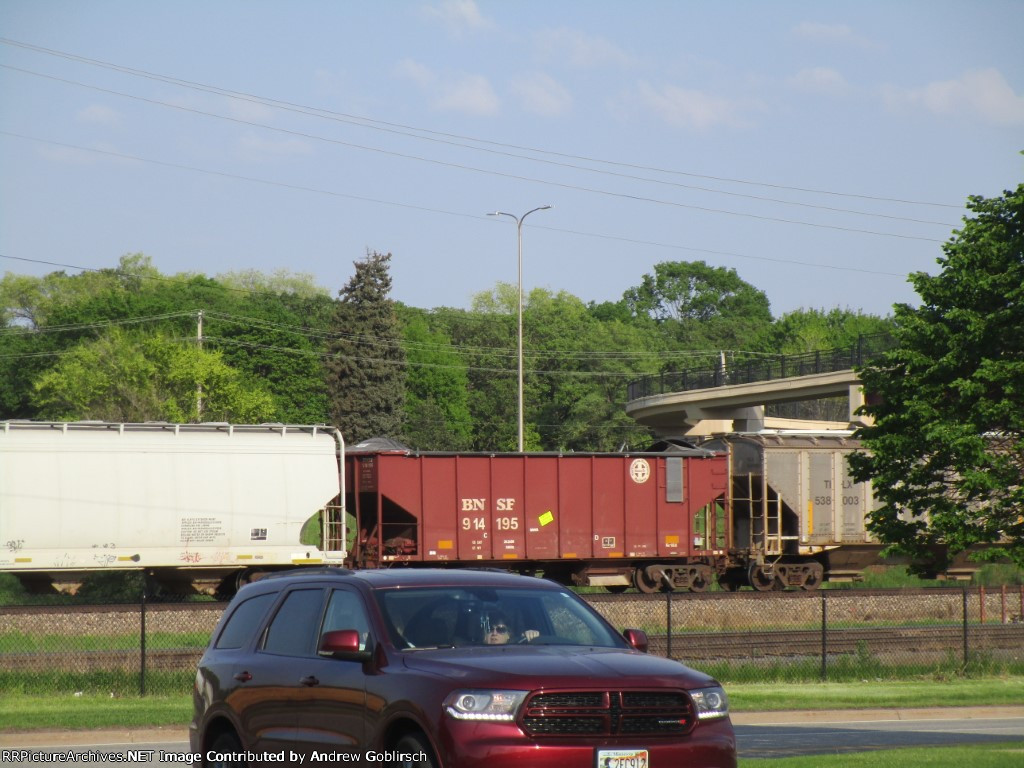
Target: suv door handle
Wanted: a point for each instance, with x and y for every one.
(243, 677)
(309, 680)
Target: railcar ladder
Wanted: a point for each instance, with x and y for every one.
(766, 523)
(334, 544)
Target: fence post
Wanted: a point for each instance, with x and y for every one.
(824, 636)
(668, 623)
(965, 628)
(142, 643)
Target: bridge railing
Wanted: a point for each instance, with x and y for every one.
(749, 369)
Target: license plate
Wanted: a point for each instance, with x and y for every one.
(622, 758)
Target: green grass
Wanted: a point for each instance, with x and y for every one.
(93, 711)
(21, 642)
(974, 756)
(904, 694)
(106, 682)
(21, 712)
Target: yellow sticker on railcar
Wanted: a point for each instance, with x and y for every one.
(546, 519)
(672, 541)
(445, 544)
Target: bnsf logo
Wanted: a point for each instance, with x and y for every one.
(480, 505)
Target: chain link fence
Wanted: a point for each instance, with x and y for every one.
(838, 635)
(118, 648)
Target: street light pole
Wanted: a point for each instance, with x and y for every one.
(519, 333)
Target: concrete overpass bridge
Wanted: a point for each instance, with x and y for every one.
(733, 397)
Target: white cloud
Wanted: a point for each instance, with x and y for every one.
(250, 111)
(98, 114)
(830, 34)
(819, 80)
(458, 15)
(253, 145)
(419, 73)
(471, 94)
(541, 94)
(688, 108)
(982, 93)
(581, 50)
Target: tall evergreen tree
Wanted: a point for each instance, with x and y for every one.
(366, 362)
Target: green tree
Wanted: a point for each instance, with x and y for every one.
(270, 328)
(576, 366)
(130, 377)
(365, 366)
(701, 306)
(946, 451)
(817, 330)
(436, 414)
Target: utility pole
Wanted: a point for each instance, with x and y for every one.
(199, 384)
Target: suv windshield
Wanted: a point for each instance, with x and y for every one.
(436, 617)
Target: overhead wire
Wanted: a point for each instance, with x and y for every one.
(423, 133)
(473, 169)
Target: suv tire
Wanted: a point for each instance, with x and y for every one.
(415, 742)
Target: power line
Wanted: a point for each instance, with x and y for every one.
(473, 169)
(415, 132)
(633, 241)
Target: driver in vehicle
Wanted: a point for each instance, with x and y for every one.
(497, 630)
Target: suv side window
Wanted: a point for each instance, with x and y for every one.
(292, 630)
(244, 621)
(345, 610)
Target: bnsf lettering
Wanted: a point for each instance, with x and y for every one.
(505, 505)
(474, 505)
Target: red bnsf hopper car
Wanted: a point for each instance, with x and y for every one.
(653, 520)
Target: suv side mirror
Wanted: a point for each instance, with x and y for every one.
(343, 644)
(636, 638)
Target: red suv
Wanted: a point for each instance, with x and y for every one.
(444, 669)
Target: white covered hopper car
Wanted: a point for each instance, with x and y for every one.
(183, 502)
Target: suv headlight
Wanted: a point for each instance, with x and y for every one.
(711, 703)
(484, 705)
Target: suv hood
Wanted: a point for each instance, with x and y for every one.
(554, 666)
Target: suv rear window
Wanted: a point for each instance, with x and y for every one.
(293, 629)
(243, 621)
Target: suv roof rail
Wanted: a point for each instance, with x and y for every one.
(331, 570)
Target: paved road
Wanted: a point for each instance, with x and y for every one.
(787, 737)
(772, 734)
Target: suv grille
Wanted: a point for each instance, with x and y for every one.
(587, 713)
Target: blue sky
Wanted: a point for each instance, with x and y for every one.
(823, 150)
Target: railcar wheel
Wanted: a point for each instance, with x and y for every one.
(815, 575)
(645, 584)
(616, 589)
(760, 580)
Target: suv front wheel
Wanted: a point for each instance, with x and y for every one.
(413, 743)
